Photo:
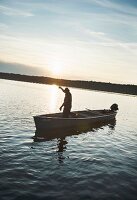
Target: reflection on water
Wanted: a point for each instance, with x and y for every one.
(61, 144)
(61, 147)
(53, 98)
(62, 141)
(100, 163)
(112, 127)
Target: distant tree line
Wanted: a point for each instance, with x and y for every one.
(92, 85)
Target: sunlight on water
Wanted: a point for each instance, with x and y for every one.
(97, 164)
(53, 98)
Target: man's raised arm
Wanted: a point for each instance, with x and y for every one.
(61, 89)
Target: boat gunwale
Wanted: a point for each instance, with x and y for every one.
(76, 118)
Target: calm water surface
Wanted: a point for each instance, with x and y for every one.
(99, 164)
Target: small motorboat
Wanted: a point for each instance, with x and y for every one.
(78, 120)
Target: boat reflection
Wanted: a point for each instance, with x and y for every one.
(61, 147)
(40, 136)
(112, 125)
(62, 142)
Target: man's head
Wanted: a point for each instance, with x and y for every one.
(66, 90)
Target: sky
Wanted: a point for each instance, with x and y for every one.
(72, 39)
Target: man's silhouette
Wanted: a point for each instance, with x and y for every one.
(67, 102)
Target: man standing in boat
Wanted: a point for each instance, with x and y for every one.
(67, 102)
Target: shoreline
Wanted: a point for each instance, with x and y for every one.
(90, 85)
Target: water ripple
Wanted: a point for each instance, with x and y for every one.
(99, 164)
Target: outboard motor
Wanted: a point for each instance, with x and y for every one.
(114, 107)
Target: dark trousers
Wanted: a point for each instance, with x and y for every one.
(66, 111)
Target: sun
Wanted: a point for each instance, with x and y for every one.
(56, 70)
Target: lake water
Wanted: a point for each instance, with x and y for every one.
(98, 164)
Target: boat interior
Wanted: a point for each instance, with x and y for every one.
(79, 114)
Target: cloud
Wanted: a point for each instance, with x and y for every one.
(21, 69)
(56, 7)
(123, 8)
(14, 12)
(92, 35)
(3, 27)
